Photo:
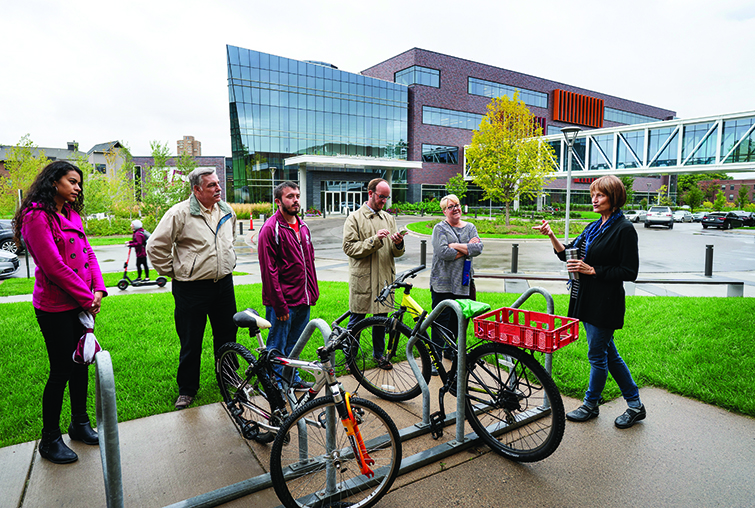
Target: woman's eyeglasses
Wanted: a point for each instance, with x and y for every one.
(453, 207)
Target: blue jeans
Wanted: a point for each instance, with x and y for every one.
(284, 334)
(605, 358)
(378, 333)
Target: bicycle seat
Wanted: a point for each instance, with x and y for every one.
(249, 318)
(471, 308)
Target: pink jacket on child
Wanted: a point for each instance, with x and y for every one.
(67, 273)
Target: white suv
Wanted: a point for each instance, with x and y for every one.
(659, 215)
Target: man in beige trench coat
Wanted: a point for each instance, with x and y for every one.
(372, 242)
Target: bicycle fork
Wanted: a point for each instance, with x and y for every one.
(349, 421)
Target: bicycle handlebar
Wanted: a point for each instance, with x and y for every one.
(399, 282)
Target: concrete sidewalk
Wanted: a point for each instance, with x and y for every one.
(684, 454)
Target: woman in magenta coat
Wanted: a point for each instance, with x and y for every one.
(67, 282)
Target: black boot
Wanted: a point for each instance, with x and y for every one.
(81, 430)
(54, 449)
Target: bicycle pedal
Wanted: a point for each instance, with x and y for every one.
(436, 424)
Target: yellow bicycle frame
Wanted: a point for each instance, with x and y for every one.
(412, 306)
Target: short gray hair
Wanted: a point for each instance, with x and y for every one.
(195, 177)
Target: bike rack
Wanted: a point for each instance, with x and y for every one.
(408, 464)
(107, 428)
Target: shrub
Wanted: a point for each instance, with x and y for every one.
(246, 211)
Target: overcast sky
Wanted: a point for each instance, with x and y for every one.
(138, 71)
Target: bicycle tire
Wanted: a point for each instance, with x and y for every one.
(300, 478)
(399, 383)
(240, 393)
(525, 424)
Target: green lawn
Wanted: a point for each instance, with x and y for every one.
(696, 347)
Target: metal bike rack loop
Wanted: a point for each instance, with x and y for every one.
(107, 428)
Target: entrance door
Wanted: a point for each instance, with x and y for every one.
(353, 200)
(332, 201)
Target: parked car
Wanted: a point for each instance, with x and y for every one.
(682, 216)
(350, 205)
(723, 220)
(6, 238)
(636, 215)
(8, 264)
(698, 216)
(659, 216)
(747, 217)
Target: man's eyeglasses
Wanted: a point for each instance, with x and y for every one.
(380, 196)
(453, 207)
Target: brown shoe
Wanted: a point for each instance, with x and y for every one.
(184, 401)
(384, 363)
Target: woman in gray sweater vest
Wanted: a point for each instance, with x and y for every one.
(455, 243)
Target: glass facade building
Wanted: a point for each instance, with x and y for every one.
(281, 108)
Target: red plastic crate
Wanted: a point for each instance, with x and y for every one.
(526, 329)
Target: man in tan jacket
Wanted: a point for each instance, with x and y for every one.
(193, 244)
(372, 242)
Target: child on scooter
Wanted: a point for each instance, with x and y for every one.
(139, 242)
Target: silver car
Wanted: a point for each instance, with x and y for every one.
(635, 215)
(8, 264)
(682, 216)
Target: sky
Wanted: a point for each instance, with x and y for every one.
(141, 71)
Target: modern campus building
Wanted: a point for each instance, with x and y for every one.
(406, 119)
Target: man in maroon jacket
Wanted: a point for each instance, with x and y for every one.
(289, 281)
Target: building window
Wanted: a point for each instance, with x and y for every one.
(101, 168)
(731, 187)
(440, 154)
(618, 116)
(490, 89)
(450, 118)
(416, 75)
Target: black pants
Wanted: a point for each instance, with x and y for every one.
(142, 262)
(195, 302)
(448, 318)
(62, 331)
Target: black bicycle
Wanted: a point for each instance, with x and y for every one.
(511, 401)
(313, 463)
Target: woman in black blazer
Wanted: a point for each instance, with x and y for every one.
(608, 256)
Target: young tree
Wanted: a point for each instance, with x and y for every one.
(628, 182)
(505, 157)
(23, 166)
(457, 185)
(693, 197)
(720, 201)
(163, 188)
(743, 197)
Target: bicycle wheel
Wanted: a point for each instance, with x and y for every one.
(512, 403)
(312, 461)
(244, 398)
(398, 383)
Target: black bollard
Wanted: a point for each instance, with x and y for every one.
(423, 252)
(514, 257)
(241, 228)
(709, 261)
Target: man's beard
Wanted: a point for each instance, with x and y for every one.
(290, 211)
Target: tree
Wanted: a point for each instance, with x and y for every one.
(743, 198)
(163, 188)
(628, 182)
(23, 166)
(685, 182)
(644, 204)
(720, 201)
(457, 185)
(505, 158)
(694, 197)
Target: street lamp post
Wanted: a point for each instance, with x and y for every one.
(272, 181)
(570, 134)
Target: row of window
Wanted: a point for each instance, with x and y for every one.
(256, 60)
(490, 89)
(273, 98)
(440, 154)
(417, 75)
(625, 117)
(450, 118)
